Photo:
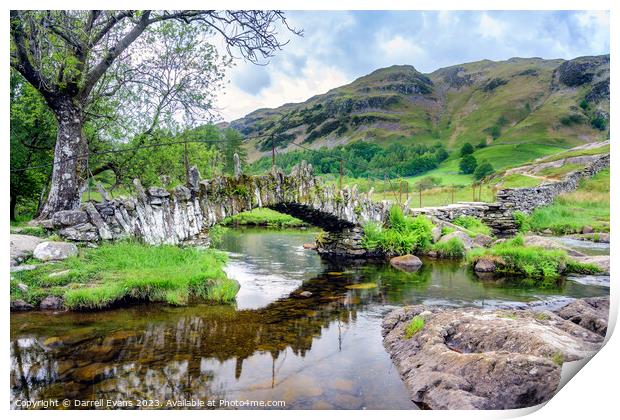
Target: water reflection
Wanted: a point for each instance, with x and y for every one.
(319, 350)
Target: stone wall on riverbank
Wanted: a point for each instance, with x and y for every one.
(528, 199)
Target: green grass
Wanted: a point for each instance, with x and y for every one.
(263, 217)
(403, 235)
(128, 271)
(519, 181)
(561, 171)
(574, 153)
(452, 248)
(589, 205)
(414, 326)
(544, 266)
(472, 224)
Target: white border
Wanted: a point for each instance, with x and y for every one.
(591, 394)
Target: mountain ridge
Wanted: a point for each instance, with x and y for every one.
(552, 101)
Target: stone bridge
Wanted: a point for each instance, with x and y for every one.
(159, 216)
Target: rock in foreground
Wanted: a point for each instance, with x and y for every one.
(477, 359)
(55, 251)
(22, 247)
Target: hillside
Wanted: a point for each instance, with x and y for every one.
(549, 103)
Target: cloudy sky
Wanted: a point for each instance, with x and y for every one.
(338, 47)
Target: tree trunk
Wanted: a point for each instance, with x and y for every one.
(70, 159)
(13, 204)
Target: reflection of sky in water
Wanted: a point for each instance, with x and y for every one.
(268, 264)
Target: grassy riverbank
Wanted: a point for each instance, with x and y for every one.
(571, 212)
(128, 271)
(263, 217)
(543, 266)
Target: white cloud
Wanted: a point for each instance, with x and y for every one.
(399, 50)
(491, 27)
(316, 78)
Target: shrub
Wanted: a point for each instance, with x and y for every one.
(483, 170)
(467, 149)
(414, 326)
(522, 221)
(599, 123)
(403, 235)
(468, 164)
(473, 224)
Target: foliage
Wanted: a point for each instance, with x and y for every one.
(128, 271)
(403, 235)
(414, 326)
(263, 217)
(427, 183)
(467, 149)
(483, 170)
(233, 144)
(32, 135)
(599, 122)
(468, 164)
(522, 221)
(473, 224)
(362, 159)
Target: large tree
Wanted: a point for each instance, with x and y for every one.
(142, 68)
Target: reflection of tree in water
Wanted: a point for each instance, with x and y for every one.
(165, 354)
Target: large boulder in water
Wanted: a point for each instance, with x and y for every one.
(477, 359)
(406, 262)
(54, 251)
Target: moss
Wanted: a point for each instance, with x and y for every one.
(414, 326)
(557, 358)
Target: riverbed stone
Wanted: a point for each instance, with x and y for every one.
(484, 359)
(406, 262)
(436, 234)
(590, 313)
(23, 267)
(601, 261)
(20, 305)
(485, 265)
(468, 242)
(587, 229)
(549, 243)
(54, 251)
(22, 247)
(51, 303)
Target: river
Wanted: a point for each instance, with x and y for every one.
(322, 350)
